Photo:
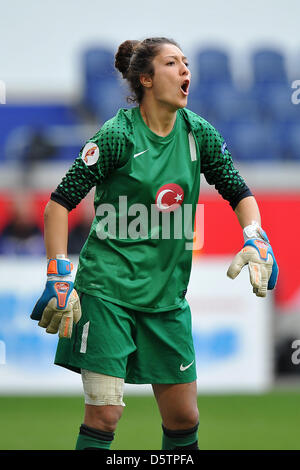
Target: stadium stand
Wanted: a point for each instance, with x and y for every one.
(53, 131)
(31, 118)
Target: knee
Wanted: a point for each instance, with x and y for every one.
(103, 400)
(183, 419)
(104, 417)
(190, 419)
(193, 418)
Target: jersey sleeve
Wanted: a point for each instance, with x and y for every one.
(97, 160)
(218, 168)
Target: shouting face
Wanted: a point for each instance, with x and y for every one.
(170, 83)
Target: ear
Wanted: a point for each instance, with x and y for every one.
(146, 80)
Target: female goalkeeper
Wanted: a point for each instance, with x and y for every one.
(125, 318)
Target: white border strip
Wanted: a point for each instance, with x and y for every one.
(85, 332)
(192, 143)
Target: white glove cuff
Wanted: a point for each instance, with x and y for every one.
(252, 231)
(68, 278)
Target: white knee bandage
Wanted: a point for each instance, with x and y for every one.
(100, 389)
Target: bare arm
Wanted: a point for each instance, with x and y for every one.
(247, 211)
(55, 229)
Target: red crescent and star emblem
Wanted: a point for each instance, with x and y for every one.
(169, 197)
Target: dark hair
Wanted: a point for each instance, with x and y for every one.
(134, 58)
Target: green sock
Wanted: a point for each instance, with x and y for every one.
(91, 438)
(181, 439)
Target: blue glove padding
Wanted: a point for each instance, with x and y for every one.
(263, 254)
(61, 290)
(59, 305)
(257, 253)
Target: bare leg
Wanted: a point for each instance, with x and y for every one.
(177, 404)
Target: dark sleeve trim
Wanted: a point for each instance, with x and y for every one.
(245, 193)
(62, 200)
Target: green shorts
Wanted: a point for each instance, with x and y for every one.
(141, 348)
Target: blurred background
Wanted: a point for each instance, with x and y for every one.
(57, 87)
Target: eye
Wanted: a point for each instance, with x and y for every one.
(172, 62)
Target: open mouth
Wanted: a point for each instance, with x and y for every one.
(185, 87)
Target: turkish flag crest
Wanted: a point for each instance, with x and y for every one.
(169, 197)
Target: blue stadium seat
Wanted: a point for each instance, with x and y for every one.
(269, 72)
(199, 100)
(205, 100)
(268, 67)
(276, 104)
(212, 67)
(102, 92)
(109, 97)
(233, 106)
(98, 66)
(211, 70)
(253, 142)
(197, 105)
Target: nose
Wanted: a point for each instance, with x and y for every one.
(185, 69)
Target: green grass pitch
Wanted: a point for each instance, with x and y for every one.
(255, 422)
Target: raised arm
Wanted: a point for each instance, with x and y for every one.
(56, 230)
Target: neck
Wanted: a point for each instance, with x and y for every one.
(158, 118)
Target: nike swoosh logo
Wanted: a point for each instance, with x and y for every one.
(182, 367)
(137, 154)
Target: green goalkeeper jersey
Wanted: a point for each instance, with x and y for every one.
(138, 253)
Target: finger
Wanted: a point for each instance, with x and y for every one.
(255, 274)
(48, 313)
(76, 307)
(262, 291)
(236, 266)
(66, 326)
(55, 321)
(77, 311)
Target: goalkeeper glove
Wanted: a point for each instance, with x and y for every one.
(259, 256)
(59, 305)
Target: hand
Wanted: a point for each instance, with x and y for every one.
(59, 305)
(258, 254)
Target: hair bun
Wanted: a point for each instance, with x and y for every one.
(123, 56)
